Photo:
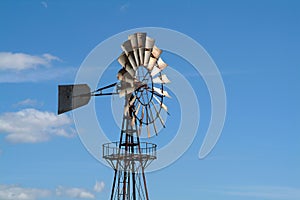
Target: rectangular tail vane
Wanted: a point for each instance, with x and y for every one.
(71, 97)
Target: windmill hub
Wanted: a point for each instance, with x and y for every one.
(145, 81)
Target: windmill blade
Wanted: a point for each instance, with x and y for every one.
(138, 108)
(143, 113)
(141, 38)
(156, 52)
(154, 57)
(161, 79)
(141, 120)
(127, 48)
(148, 48)
(72, 96)
(157, 114)
(152, 62)
(155, 129)
(123, 60)
(161, 65)
(161, 104)
(148, 130)
(147, 120)
(161, 92)
(134, 44)
(153, 119)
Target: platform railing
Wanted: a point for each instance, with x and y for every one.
(114, 149)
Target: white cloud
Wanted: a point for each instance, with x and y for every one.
(15, 192)
(12, 192)
(74, 193)
(22, 61)
(32, 126)
(21, 67)
(99, 186)
(264, 192)
(28, 102)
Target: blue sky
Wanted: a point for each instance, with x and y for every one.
(255, 45)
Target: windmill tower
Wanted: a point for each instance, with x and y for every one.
(141, 83)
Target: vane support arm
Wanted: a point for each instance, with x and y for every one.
(99, 92)
(74, 96)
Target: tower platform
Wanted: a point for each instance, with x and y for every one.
(139, 154)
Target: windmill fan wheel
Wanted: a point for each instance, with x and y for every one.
(142, 80)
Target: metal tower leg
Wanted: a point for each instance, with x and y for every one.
(129, 160)
(128, 168)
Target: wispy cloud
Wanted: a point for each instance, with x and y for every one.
(16, 192)
(22, 61)
(33, 126)
(44, 4)
(28, 103)
(263, 192)
(99, 186)
(124, 7)
(21, 67)
(13, 192)
(74, 193)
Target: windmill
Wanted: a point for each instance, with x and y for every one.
(141, 84)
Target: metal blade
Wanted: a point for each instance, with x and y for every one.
(152, 62)
(161, 104)
(72, 96)
(123, 75)
(141, 38)
(157, 113)
(123, 60)
(127, 48)
(161, 79)
(154, 57)
(148, 48)
(138, 108)
(134, 44)
(141, 121)
(163, 93)
(155, 129)
(142, 115)
(148, 130)
(153, 119)
(147, 119)
(156, 52)
(161, 65)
